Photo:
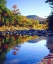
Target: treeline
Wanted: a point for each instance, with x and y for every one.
(50, 17)
(13, 18)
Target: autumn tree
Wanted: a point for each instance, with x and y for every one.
(15, 9)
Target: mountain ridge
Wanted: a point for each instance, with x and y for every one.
(35, 17)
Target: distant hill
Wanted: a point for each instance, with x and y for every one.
(35, 17)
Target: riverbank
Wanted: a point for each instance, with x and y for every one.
(25, 31)
(9, 28)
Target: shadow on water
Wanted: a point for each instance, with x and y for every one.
(49, 58)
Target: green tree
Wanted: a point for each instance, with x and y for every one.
(3, 2)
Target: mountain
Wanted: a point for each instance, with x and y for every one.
(35, 17)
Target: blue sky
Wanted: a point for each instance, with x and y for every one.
(31, 7)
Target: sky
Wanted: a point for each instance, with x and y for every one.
(31, 7)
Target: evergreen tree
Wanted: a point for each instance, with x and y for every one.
(50, 17)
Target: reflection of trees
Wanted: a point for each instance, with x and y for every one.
(5, 46)
(9, 41)
(49, 58)
(49, 43)
(16, 49)
(14, 42)
(3, 49)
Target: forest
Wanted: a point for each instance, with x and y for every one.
(13, 20)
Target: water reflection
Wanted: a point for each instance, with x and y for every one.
(49, 43)
(49, 58)
(12, 42)
(14, 47)
(37, 39)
